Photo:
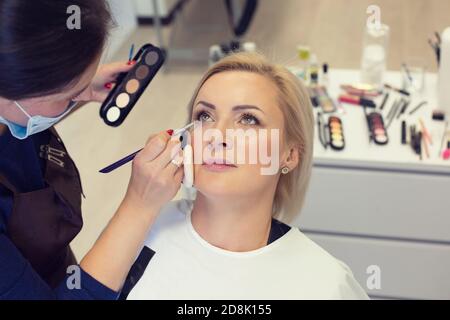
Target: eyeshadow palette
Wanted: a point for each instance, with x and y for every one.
(336, 133)
(319, 97)
(131, 85)
(377, 130)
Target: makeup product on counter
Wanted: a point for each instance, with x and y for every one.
(361, 90)
(131, 85)
(323, 99)
(130, 157)
(438, 115)
(377, 130)
(331, 133)
(336, 133)
(385, 98)
(403, 133)
(426, 133)
(425, 146)
(416, 141)
(392, 109)
(313, 97)
(357, 100)
(321, 130)
(444, 134)
(402, 91)
(391, 115)
(404, 107)
(313, 70)
(325, 79)
(420, 105)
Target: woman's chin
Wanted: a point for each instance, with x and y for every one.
(217, 184)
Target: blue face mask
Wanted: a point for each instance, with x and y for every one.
(35, 124)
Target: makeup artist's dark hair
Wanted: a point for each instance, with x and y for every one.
(39, 54)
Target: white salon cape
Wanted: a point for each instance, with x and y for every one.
(185, 266)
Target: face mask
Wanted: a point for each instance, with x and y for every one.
(35, 124)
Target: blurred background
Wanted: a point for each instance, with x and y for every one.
(408, 241)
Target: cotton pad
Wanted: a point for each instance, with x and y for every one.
(188, 180)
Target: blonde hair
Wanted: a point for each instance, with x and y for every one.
(299, 125)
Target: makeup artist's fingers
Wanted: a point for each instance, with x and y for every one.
(175, 163)
(171, 151)
(178, 176)
(109, 72)
(154, 147)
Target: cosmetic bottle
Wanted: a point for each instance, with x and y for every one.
(324, 79)
(313, 71)
(303, 53)
(374, 54)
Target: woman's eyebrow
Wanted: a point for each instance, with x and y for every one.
(235, 108)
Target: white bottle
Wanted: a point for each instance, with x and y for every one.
(249, 47)
(444, 74)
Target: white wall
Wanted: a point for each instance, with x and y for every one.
(145, 7)
(124, 14)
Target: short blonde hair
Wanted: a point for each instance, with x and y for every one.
(299, 125)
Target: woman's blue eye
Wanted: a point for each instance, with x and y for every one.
(250, 119)
(203, 116)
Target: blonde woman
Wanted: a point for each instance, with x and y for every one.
(230, 243)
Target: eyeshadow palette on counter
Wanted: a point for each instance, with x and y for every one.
(131, 85)
(336, 133)
(377, 129)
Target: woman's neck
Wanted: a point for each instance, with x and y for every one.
(233, 224)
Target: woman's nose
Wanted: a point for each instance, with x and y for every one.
(221, 140)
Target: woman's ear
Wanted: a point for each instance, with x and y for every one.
(292, 158)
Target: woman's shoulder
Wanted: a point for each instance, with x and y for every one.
(323, 268)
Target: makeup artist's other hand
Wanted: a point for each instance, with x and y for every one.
(155, 180)
(104, 81)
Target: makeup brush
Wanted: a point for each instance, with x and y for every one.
(130, 55)
(130, 157)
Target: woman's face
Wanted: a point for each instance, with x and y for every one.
(237, 100)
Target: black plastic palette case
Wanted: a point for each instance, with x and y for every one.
(377, 129)
(131, 85)
(336, 133)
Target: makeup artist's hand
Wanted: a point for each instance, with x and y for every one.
(104, 81)
(155, 180)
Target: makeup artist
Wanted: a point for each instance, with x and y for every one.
(45, 69)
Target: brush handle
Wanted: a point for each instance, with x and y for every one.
(119, 163)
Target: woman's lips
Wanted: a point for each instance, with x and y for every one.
(218, 166)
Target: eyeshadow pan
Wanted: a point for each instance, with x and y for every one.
(113, 114)
(122, 100)
(379, 131)
(336, 130)
(142, 72)
(132, 86)
(334, 125)
(338, 143)
(381, 138)
(151, 58)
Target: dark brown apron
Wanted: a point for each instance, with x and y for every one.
(44, 222)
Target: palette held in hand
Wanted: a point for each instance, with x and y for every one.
(131, 85)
